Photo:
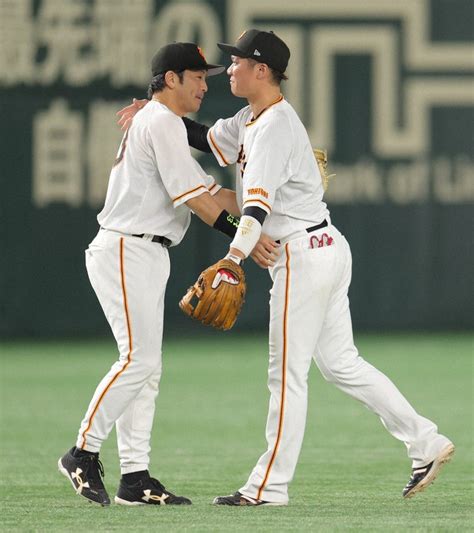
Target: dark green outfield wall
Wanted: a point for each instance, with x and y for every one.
(387, 89)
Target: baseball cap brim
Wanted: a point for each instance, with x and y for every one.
(213, 70)
(232, 50)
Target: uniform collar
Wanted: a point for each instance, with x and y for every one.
(254, 119)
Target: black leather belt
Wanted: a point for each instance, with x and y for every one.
(156, 238)
(323, 224)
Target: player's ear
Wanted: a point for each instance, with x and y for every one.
(170, 79)
(262, 71)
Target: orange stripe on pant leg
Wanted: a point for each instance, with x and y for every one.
(129, 356)
(283, 375)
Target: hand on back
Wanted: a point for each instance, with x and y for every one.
(127, 113)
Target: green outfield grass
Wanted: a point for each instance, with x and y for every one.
(209, 431)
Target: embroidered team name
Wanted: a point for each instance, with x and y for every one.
(258, 190)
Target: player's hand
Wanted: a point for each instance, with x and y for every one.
(127, 113)
(266, 251)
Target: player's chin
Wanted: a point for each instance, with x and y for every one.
(235, 91)
(197, 104)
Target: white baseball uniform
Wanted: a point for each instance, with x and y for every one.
(154, 175)
(309, 305)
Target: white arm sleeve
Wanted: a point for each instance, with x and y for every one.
(223, 138)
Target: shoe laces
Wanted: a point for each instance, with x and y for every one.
(94, 469)
(156, 484)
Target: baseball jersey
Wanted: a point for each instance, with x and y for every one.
(276, 169)
(153, 176)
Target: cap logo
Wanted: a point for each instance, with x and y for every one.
(256, 53)
(201, 53)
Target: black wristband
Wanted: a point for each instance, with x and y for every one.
(227, 223)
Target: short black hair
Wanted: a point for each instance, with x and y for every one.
(277, 76)
(158, 83)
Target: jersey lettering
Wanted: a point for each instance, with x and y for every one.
(123, 145)
(258, 190)
(241, 160)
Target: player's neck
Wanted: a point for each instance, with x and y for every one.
(167, 100)
(260, 102)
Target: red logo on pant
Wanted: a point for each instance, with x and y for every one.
(324, 240)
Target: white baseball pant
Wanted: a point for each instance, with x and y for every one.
(129, 276)
(310, 319)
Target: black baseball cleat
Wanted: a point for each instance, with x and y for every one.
(239, 500)
(85, 472)
(147, 491)
(425, 475)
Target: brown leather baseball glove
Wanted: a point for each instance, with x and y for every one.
(217, 296)
(322, 161)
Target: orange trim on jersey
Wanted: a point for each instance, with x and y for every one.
(130, 346)
(212, 187)
(217, 148)
(189, 192)
(253, 120)
(259, 201)
(283, 374)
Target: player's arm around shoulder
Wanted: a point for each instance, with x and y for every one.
(127, 113)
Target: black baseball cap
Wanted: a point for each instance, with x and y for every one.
(263, 46)
(182, 56)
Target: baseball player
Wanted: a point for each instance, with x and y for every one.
(279, 190)
(153, 186)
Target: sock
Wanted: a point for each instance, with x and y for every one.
(77, 452)
(135, 477)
